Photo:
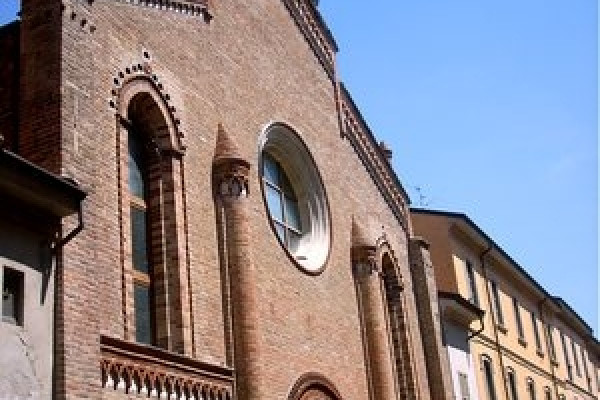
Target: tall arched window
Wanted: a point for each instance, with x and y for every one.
(511, 381)
(140, 246)
(547, 393)
(155, 269)
(488, 374)
(531, 389)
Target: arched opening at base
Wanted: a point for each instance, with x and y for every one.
(313, 386)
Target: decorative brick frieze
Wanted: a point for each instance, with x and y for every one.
(192, 8)
(368, 150)
(152, 372)
(315, 32)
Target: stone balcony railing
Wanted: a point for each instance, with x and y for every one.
(146, 371)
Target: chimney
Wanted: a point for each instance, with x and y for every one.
(387, 152)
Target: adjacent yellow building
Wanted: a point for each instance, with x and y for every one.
(529, 344)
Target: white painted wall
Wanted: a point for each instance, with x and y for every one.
(460, 358)
(26, 351)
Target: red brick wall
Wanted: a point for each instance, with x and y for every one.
(248, 66)
(9, 83)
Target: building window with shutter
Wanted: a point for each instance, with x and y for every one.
(566, 353)
(547, 393)
(511, 381)
(536, 333)
(488, 374)
(473, 296)
(575, 358)
(518, 321)
(550, 332)
(531, 389)
(497, 304)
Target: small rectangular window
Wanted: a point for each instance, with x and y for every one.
(575, 358)
(473, 297)
(489, 379)
(566, 353)
(12, 296)
(518, 318)
(531, 389)
(550, 332)
(536, 332)
(512, 385)
(463, 381)
(497, 305)
(585, 368)
(547, 394)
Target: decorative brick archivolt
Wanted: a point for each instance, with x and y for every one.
(356, 130)
(151, 372)
(137, 78)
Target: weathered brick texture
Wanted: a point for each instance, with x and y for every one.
(248, 65)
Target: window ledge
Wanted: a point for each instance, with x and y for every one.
(523, 342)
(554, 362)
(502, 328)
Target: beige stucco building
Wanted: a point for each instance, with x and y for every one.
(529, 344)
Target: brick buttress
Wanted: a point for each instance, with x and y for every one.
(377, 337)
(230, 180)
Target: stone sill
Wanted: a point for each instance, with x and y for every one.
(523, 342)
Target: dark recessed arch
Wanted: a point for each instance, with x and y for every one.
(312, 386)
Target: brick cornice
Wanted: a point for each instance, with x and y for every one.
(356, 130)
(315, 31)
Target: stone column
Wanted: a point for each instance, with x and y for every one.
(379, 351)
(231, 191)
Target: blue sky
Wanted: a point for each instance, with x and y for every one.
(491, 108)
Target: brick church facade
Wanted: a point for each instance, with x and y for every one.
(243, 234)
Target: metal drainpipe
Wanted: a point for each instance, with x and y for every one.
(495, 326)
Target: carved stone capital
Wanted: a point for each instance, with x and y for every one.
(365, 260)
(231, 179)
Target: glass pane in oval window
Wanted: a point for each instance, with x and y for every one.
(274, 202)
(286, 186)
(270, 170)
(136, 177)
(292, 214)
(280, 231)
(138, 240)
(294, 241)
